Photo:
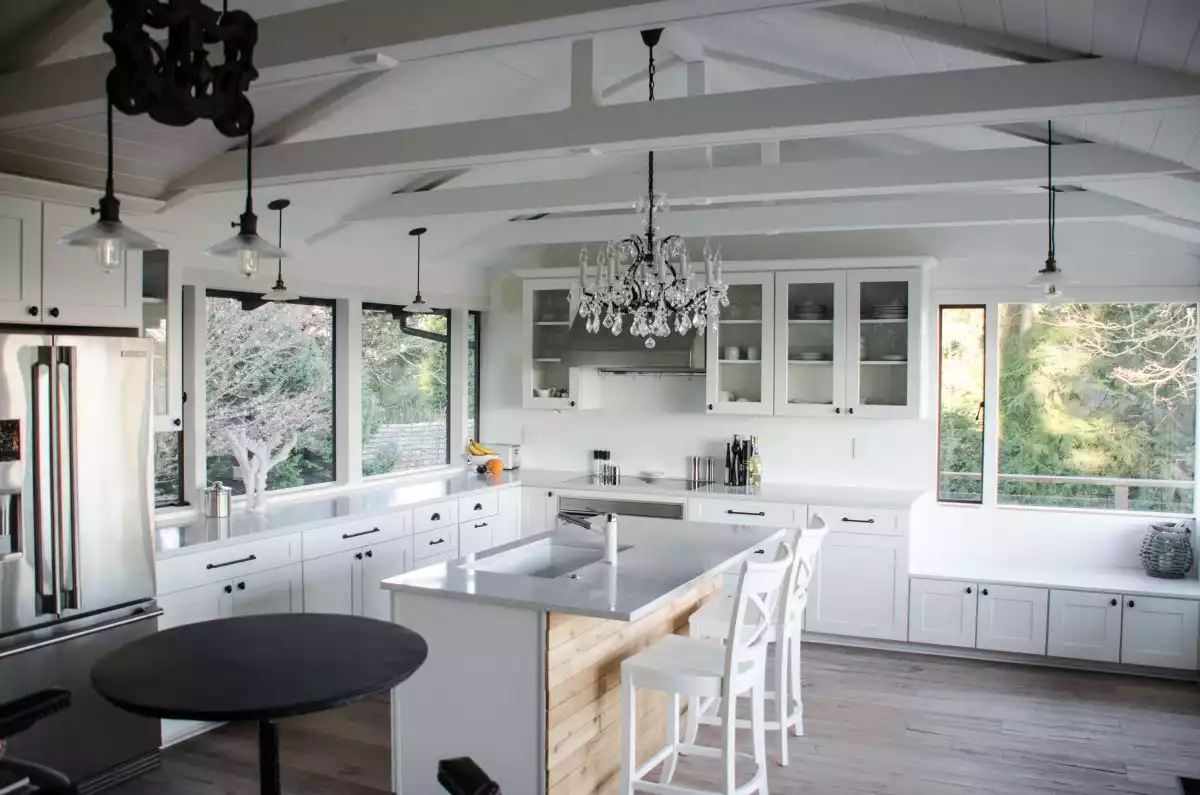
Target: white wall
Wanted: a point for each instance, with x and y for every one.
(656, 423)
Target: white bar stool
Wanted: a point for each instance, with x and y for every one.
(704, 668)
(712, 621)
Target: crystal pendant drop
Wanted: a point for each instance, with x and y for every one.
(650, 342)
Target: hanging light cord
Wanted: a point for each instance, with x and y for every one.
(650, 211)
(108, 181)
(1050, 202)
(250, 170)
(418, 266)
(279, 272)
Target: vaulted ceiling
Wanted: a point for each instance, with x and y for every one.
(501, 126)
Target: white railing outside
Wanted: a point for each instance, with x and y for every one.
(1120, 486)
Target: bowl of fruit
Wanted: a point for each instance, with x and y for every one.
(483, 459)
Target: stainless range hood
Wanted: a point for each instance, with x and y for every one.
(625, 353)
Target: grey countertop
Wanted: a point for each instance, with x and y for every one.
(664, 558)
(293, 516)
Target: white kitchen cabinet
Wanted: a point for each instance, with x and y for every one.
(74, 290)
(474, 536)
(860, 587)
(1160, 632)
(810, 343)
(739, 373)
(884, 353)
(274, 591)
(329, 584)
(379, 562)
(539, 510)
(162, 324)
(942, 612)
(547, 382)
(507, 523)
(1012, 618)
(206, 603)
(20, 260)
(1084, 626)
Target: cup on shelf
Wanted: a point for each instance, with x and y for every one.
(732, 353)
(752, 353)
(726, 396)
(541, 393)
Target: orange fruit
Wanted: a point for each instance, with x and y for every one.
(495, 466)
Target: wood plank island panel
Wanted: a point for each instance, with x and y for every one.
(583, 693)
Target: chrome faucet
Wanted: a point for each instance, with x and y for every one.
(588, 521)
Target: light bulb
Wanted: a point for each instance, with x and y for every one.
(248, 262)
(110, 253)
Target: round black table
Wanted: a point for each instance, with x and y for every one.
(258, 668)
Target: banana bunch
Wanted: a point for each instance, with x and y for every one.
(475, 448)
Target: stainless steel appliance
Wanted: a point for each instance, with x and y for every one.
(76, 545)
(510, 455)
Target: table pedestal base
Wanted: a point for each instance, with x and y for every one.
(268, 757)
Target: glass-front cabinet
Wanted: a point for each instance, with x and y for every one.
(883, 372)
(738, 372)
(548, 380)
(811, 330)
(162, 313)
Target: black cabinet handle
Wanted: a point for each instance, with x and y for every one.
(746, 513)
(228, 589)
(361, 533)
(968, 589)
(481, 524)
(368, 553)
(709, 405)
(837, 411)
(479, 506)
(54, 311)
(358, 556)
(857, 521)
(435, 517)
(1113, 603)
(984, 592)
(850, 411)
(435, 543)
(760, 552)
(241, 586)
(33, 311)
(246, 559)
(1131, 603)
(549, 494)
(177, 422)
(572, 403)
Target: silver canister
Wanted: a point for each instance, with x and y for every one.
(216, 500)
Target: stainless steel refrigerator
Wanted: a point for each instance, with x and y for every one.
(76, 544)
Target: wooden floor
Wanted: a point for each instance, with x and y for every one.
(877, 722)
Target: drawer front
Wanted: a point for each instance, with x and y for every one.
(435, 542)
(868, 521)
(435, 514)
(433, 560)
(478, 505)
(360, 532)
(771, 514)
(763, 552)
(190, 571)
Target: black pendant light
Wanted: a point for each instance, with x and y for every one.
(110, 238)
(279, 292)
(246, 246)
(1049, 278)
(418, 305)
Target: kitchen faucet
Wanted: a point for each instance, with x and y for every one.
(587, 520)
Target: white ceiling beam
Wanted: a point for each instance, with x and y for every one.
(885, 104)
(51, 33)
(972, 39)
(774, 181)
(771, 67)
(323, 39)
(824, 216)
(62, 193)
(583, 73)
(639, 78)
(327, 104)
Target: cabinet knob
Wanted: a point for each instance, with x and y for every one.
(984, 592)
(368, 553)
(968, 589)
(479, 506)
(358, 556)
(54, 311)
(33, 311)
(241, 586)
(228, 589)
(177, 422)
(850, 411)
(436, 517)
(1113, 603)
(709, 405)
(572, 404)
(837, 411)
(1131, 603)
(549, 494)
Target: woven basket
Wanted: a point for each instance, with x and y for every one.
(1167, 550)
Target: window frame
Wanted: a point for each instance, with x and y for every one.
(252, 300)
(402, 316)
(983, 407)
(476, 339)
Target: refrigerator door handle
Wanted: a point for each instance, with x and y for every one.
(44, 552)
(67, 447)
(139, 615)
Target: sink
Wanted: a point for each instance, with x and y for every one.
(545, 559)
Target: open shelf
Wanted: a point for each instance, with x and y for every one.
(738, 322)
(810, 322)
(826, 362)
(874, 363)
(867, 320)
(551, 322)
(739, 361)
(549, 361)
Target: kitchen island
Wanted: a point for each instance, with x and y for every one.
(525, 647)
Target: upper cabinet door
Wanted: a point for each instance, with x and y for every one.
(75, 291)
(20, 260)
(162, 323)
(739, 376)
(883, 377)
(810, 356)
(545, 377)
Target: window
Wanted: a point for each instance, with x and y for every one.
(1098, 406)
(960, 395)
(405, 390)
(269, 388)
(168, 469)
(474, 334)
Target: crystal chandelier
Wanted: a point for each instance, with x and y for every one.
(646, 279)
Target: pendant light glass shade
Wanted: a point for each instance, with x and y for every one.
(279, 292)
(247, 247)
(418, 305)
(108, 236)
